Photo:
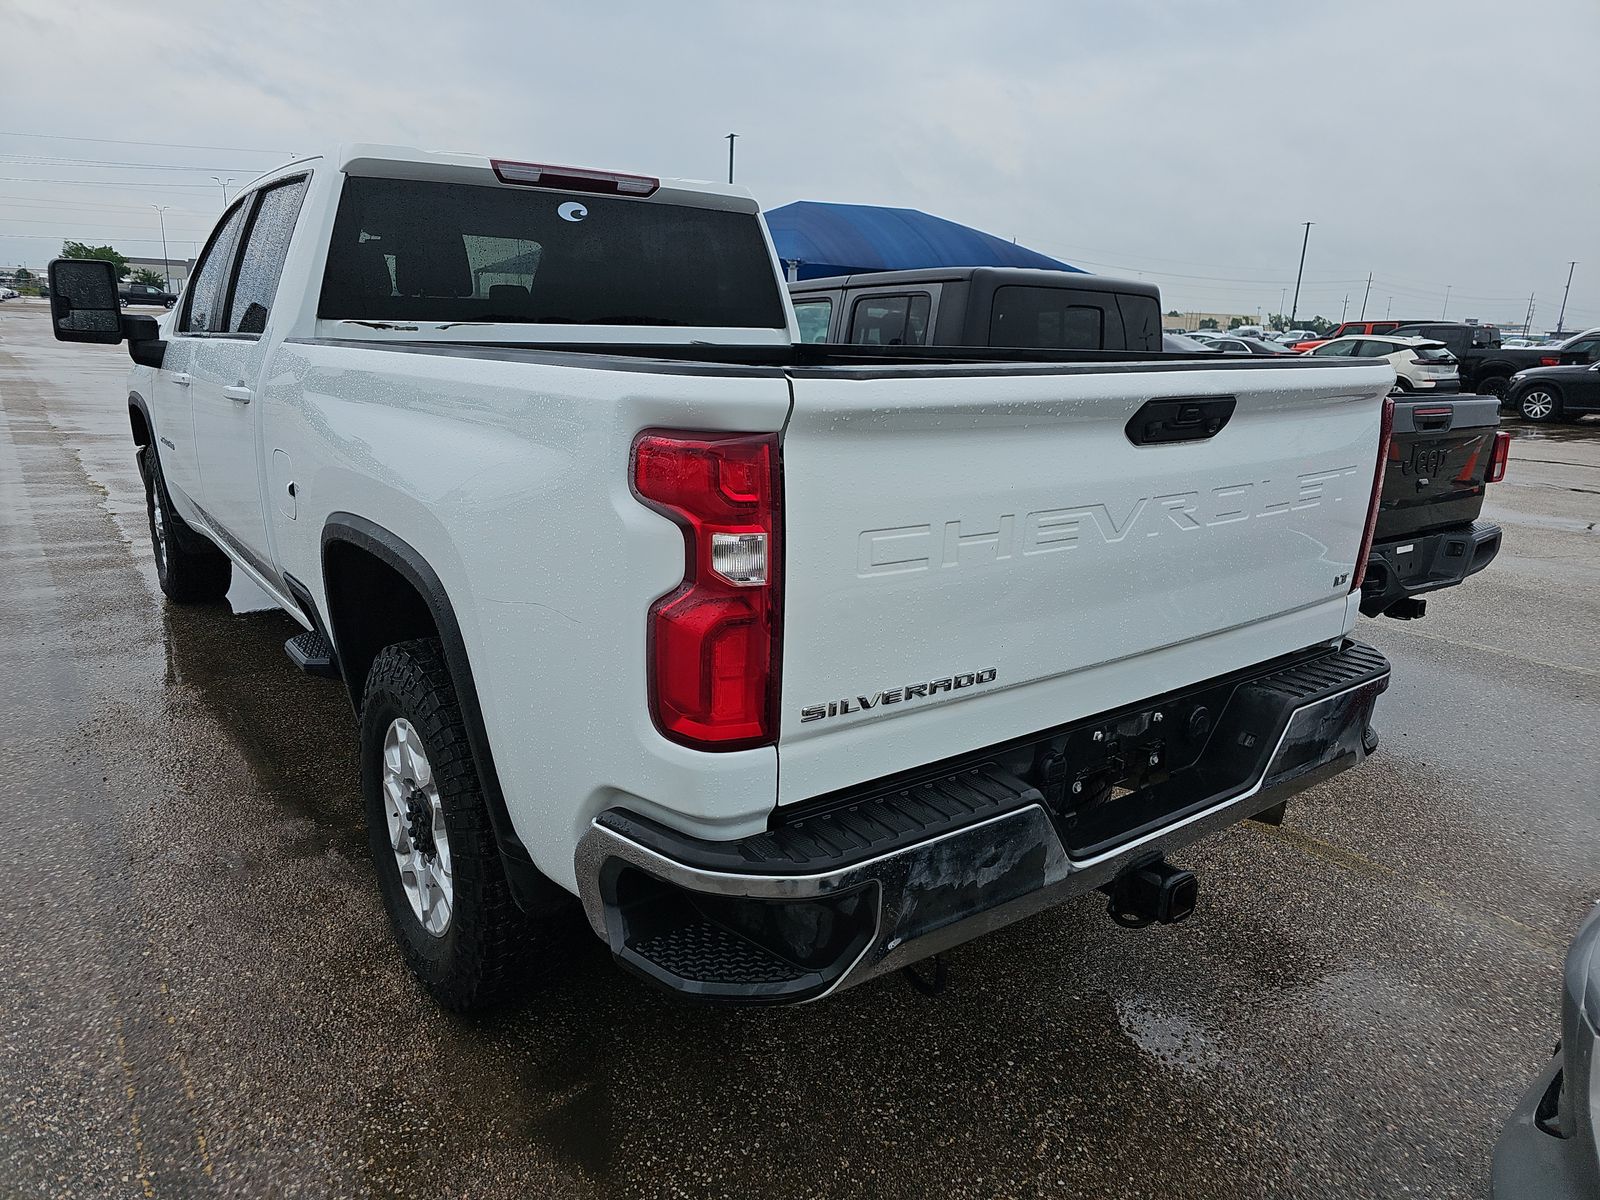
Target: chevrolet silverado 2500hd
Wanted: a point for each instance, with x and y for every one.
(796, 664)
(1443, 452)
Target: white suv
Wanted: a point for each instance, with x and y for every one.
(1420, 365)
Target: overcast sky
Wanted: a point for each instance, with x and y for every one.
(1434, 144)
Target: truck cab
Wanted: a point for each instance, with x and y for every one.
(980, 306)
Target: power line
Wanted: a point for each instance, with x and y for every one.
(39, 160)
(62, 137)
(116, 183)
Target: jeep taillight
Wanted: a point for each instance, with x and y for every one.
(1550, 360)
(714, 640)
(1385, 434)
(1498, 457)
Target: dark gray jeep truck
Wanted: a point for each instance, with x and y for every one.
(1444, 453)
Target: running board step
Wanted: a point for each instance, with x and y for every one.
(311, 652)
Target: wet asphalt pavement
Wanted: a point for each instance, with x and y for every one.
(200, 996)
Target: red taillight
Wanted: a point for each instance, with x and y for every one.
(573, 179)
(1385, 434)
(1498, 457)
(1549, 360)
(715, 639)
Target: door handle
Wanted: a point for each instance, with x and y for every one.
(238, 392)
(181, 378)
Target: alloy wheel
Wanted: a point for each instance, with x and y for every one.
(417, 833)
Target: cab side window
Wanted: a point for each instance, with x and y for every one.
(261, 261)
(813, 317)
(208, 291)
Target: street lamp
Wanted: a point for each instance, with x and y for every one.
(1446, 307)
(223, 184)
(730, 137)
(166, 264)
(1296, 310)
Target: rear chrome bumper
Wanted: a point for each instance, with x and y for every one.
(895, 874)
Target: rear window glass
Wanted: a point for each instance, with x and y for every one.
(1433, 354)
(1141, 321)
(423, 251)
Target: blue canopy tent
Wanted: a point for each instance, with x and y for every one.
(815, 240)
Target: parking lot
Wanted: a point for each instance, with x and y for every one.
(202, 996)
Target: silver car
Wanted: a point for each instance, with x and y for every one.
(1550, 1149)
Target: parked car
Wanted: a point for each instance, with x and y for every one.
(596, 545)
(1550, 1148)
(1248, 345)
(1459, 337)
(1489, 372)
(1420, 365)
(1348, 329)
(1177, 343)
(1292, 337)
(1555, 393)
(1204, 335)
(144, 293)
(979, 306)
(9, 293)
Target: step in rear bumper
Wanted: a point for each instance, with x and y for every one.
(825, 902)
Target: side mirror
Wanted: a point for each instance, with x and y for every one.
(84, 305)
(145, 346)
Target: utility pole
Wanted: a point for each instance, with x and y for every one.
(1446, 307)
(1345, 311)
(1364, 296)
(1295, 311)
(1388, 308)
(1560, 319)
(166, 264)
(1527, 321)
(224, 186)
(1283, 296)
(730, 138)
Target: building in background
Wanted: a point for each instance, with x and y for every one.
(175, 269)
(1188, 322)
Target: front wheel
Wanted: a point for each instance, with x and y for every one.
(428, 831)
(1540, 403)
(189, 568)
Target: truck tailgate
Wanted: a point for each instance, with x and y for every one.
(1438, 461)
(976, 553)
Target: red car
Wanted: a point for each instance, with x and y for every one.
(1345, 328)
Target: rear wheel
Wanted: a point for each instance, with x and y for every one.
(189, 568)
(1540, 402)
(428, 830)
(1493, 385)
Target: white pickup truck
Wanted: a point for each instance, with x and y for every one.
(797, 664)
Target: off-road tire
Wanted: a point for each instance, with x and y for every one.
(482, 955)
(189, 568)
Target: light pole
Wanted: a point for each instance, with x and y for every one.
(223, 184)
(166, 263)
(1446, 307)
(730, 138)
(1283, 297)
(1364, 296)
(1294, 312)
(1563, 316)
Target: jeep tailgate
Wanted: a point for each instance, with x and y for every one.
(978, 552)
(1438, 461)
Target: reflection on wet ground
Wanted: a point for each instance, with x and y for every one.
(201, 993)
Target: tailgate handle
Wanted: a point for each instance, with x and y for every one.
(1183, 419)
(1431, 420)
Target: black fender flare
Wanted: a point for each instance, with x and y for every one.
(528, 885)
(136, 403)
